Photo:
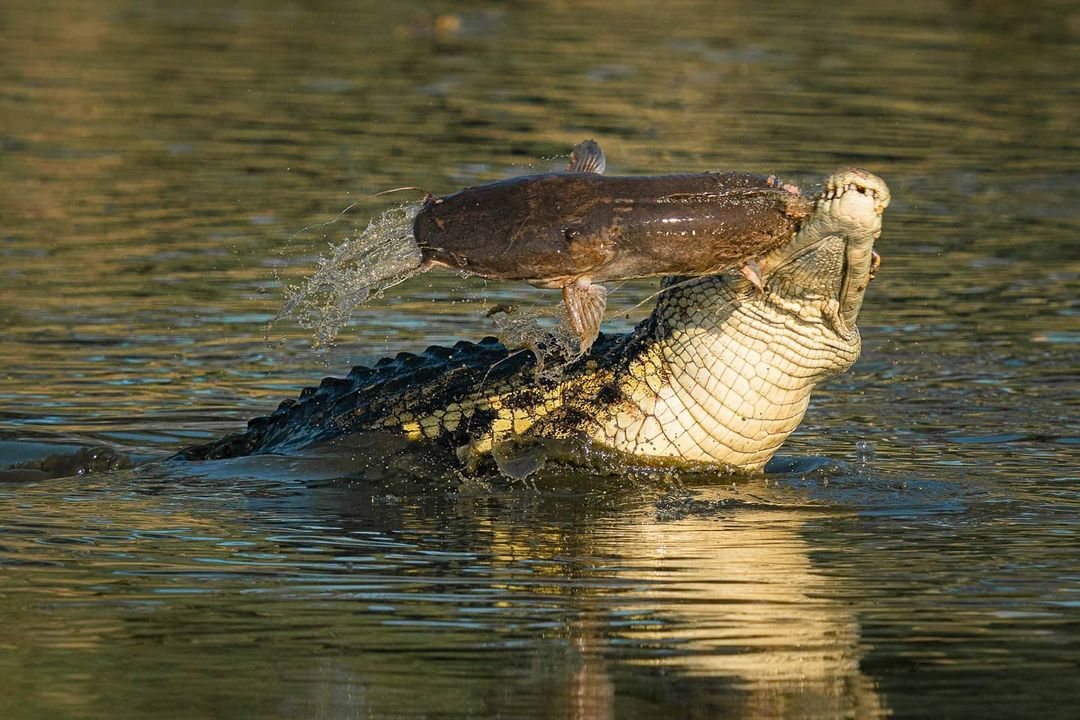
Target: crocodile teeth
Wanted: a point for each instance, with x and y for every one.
(832, 192)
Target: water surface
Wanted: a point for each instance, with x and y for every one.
(158, 167)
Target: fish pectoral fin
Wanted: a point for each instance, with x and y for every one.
(752, 272)
(587, 157)
(585, 303)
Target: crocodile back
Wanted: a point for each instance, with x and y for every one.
(396, 389)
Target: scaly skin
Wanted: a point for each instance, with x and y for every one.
(719, 372)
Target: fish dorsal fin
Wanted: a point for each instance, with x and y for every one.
(587, 157)
(585, 303)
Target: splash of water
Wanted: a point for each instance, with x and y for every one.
(386, 254)
(554, 345)
(356, 270)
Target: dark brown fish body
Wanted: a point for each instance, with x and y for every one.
(551, 229)
(579, 229)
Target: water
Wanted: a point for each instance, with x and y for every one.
(157, 161)
(358, 268)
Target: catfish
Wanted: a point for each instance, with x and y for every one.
(578, 229)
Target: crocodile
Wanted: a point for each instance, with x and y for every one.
(720, 372)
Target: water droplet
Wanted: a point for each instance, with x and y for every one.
(358, 269)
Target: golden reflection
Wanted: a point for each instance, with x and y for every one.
(745, 602)
(733, 594)
(723, 603)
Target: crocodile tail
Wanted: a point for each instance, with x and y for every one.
(376, 397)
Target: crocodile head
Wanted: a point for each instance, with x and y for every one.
(832, 256)
(739, 364)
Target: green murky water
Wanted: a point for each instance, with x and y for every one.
(156, 162)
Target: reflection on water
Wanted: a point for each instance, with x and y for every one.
(800, 596)
(156, 162)
(746, 584)
(506, 599)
